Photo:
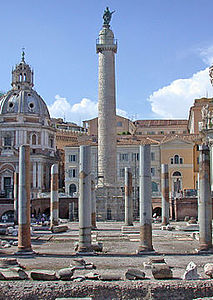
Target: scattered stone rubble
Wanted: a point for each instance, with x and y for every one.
(191, 272)
(160, 269)
(11, 269)
(208, 270)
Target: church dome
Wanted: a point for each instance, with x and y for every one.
(22, 99)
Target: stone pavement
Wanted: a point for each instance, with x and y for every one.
(56, 251)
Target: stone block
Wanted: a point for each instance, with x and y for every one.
(90, 266)
(22, 274)
(191, 272)
(161, 271)
(14, 274)
(208, 270)
(78, 262)
(7, 245)
(92, 276)
(79, 278)
(97, 247)
(109, 277)
(157, 260)
(192, 221)
(8, 262)
(58, 229)
(66, 273)
(134, 274)
(43, 275)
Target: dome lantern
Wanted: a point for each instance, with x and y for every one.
(22, 75)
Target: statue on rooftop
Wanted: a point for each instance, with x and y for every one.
(107, 15)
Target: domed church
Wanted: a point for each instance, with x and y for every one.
(25, 119)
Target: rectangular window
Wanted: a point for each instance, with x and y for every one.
(153, 171)
(152, 156)
(72, 173)
(72, 157)
(124, 157)
(119, 124)
(122, 172)
(135, 156)
(7, 141)
(181, 160)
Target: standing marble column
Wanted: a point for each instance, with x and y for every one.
(145, 197)
(165, 193)
(16, 198)
(106, 48)
(34, 175)
(24, 238)
(71, 211)
(40, 176)
(205, 201)
(128, 198)
(85, 200)
(93, 201)
(54, 202)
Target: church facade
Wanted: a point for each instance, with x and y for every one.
(25, 119)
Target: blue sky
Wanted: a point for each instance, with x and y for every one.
(164, 50)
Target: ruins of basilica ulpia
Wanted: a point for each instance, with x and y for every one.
(105, 241)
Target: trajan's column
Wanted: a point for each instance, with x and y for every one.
(107, 192)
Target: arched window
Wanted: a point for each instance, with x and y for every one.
(34, 138)
(72, 189)
(176, 159)
(176, 173)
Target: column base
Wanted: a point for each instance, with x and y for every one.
(94, 228)
(144, 251)
(25, 252)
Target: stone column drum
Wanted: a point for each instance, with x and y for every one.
(106, 48)
(145, 196)
(165, 193)
(85, 200)
(24, 238)
(128, 197)
(93, 201)
(71, 211)
(205, 201)
(16, 198)
(54, 202)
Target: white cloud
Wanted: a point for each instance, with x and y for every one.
(174, 100)
(121, 113)
(76, 113)
(84, 110)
